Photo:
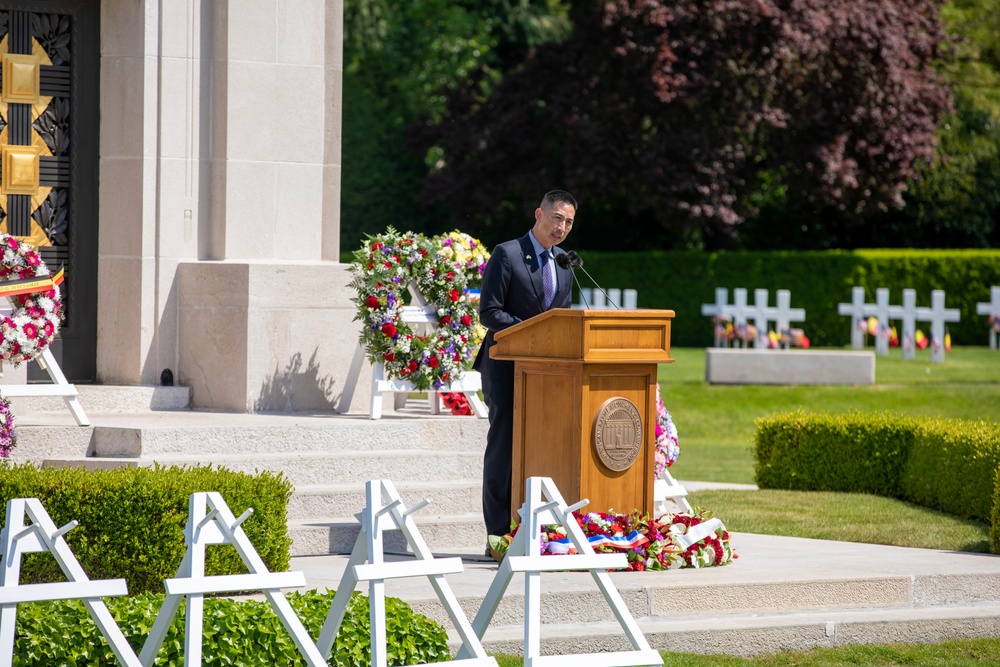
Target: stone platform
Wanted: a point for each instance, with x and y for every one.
(780, 593)
(759, 366)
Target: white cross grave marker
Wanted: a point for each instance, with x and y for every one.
(210, 521)
(19, 538)
(857, 309)
(937, 315)
(907, 313)
(881, 313)
(719, 309)
(544, 505)
(761, 314)
(990, 308)
(367, 563)
(782, 314)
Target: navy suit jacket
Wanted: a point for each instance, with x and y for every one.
(512, 292)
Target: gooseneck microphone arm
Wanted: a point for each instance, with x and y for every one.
(566, 262)
(571, 260)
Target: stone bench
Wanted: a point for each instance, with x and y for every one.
(755, 366)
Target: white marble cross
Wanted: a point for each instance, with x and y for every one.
(858, 310)
(937, 315)
(907, 313)
(782, 314)
(991, 308)
(881, 313)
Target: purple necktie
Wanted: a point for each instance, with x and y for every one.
(548, 282)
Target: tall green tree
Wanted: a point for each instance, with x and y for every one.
(401, 59)
(663, 116)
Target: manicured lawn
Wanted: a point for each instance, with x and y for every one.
(716, 423)
(960, 653)
(846, 517)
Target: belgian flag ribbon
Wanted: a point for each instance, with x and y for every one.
(30, 285)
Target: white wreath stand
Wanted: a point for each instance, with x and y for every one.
(666, 488)
(418, 314)
(59, 387)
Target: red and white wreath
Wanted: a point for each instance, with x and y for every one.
(34, 321)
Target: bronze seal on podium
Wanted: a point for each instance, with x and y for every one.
(618, 433)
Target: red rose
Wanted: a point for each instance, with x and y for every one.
(446, 319)
(388, 265)
(371, 302)
(389, 329)
(466, 320)
(376, 245)
(389, 356)
(449, 276)
(423, 253)
(456, 357)
(433, 362)
(454, 295)
(370, 265)
(640, 567)
(412, 365)
(404, 371)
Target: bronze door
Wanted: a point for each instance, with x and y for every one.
(49, 114)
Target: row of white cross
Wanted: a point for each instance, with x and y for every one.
(28, 528)
(760, 314)
(908, 313)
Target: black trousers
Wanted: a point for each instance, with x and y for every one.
(498, 390)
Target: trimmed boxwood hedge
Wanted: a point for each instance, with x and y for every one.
(236, 632)
(132, 519)
(683, 281)
(945, 464)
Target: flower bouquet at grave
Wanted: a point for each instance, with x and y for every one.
(746, 333)
(667, 447)
(788, 338)
(649, 544)
(8, 432)
(384, 268)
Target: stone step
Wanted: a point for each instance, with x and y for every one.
(310, 467)
(749, 635)
(316, 500)
(183, 432)
(96, 398)
(443, 533)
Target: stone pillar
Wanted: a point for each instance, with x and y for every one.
(220, 199)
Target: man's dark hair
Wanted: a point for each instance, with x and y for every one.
(556, 196)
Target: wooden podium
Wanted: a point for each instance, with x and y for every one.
(585, 403)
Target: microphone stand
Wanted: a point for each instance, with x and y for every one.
(573, 261)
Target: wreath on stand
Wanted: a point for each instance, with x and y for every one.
(446, 271)
(34, 320)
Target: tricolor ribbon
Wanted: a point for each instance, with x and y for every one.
(630, 541)
(30, 285)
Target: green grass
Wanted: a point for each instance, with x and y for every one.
(716, 423)
(958, 653)
(846, 517)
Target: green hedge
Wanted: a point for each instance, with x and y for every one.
(132, 519)
(236, 632)
(818, 281)
(945, 464)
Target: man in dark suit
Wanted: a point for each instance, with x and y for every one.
(521, 280)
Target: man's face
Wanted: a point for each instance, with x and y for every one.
(552, 226)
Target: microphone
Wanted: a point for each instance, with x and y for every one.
(571, 260)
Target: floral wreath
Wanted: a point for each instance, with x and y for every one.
(8, 433)
(649, 544)
(35, 319)
(667, 447)
(445, 270)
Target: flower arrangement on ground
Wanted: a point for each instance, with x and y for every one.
(649, 544)
(384, 268)
(8, 432)
(34, 321)
(667, 447)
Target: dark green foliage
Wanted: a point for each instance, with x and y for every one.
(236, 632)
(132, 519)
(944, 464)
(952, 467)
(818, 281)
(854, 453)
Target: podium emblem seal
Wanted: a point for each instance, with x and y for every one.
(618, 433)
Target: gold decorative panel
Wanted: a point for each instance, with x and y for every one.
(20, 170)
(21, 79)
